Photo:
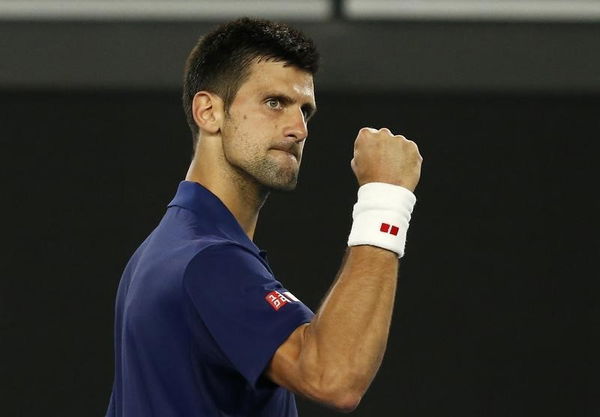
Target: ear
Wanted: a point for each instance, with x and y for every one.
(207, 109)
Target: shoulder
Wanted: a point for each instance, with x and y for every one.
(212, 250)
(225, 259)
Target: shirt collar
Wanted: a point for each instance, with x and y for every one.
(199, 199)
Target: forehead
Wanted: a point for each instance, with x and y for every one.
(277, 77)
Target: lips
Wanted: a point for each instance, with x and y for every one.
(287, 149)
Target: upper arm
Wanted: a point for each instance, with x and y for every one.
(284, 368)
(294, 367)
(232, 291)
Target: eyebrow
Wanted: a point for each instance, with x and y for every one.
(287, 100)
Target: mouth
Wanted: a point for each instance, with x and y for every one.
(288, 152)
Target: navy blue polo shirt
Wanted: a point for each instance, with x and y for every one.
(198, 316)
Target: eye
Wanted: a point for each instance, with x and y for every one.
(273, 103)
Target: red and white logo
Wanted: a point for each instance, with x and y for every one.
(387, 228)
(276, 300)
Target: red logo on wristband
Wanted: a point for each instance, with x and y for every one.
(391, 229)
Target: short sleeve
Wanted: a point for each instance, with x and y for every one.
(246, 310)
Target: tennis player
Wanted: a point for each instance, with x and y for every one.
(202, 326)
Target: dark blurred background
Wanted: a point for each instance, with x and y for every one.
(496, 312)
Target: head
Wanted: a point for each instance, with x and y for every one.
(249, 84)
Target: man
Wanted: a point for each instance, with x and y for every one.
(202, 327)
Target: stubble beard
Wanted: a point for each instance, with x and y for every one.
(258, 164)
(271, 175)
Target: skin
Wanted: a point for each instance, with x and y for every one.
(258, 146)
(240, 158)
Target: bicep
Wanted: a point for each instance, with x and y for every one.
(285, 368)
(229, 288)
(293, 367)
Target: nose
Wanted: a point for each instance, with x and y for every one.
(296, 125)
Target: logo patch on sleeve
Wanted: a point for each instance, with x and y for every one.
(276, 300)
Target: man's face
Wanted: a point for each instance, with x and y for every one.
(264, 134)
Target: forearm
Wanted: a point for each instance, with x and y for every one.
(347, 338)
(334, 358)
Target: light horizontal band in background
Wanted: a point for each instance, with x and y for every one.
(163, 10)
(502, 10)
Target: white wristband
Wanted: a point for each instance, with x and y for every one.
(381, 216)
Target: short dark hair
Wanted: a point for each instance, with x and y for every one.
(220, 61)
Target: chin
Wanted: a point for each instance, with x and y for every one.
(279, 184)
(283, 187)
(274, 177)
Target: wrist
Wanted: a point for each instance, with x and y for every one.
(382, 216)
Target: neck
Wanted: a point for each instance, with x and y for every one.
(241, 195)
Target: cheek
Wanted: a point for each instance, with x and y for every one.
(231, 140)
(242, 143)
(247, 135)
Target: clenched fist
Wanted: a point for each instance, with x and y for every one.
(380, 156)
